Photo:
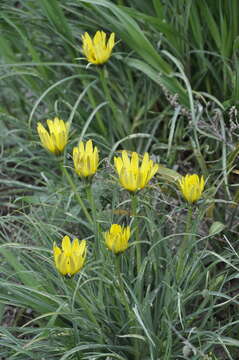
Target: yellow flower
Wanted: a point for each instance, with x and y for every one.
(192, 187)
(86, 159)
(132, 176)
(116, 239)
(70, 259)
(55, 139)
(97, 50)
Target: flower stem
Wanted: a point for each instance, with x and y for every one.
(94, 104)
(77, 195)
(183, 250)
(68, 290)
(121, 284)
(125, 302)
(91, 316)
(134, 205)
(104, 82)
(91, 201)
(86, 308)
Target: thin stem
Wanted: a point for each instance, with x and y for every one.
(85, 306)
(134, 205)
(182, 253)
(97, 231)
(90, 315)
(77, 195)
(121, 284)
(104, 82)
(103, 79)
(71, 282)
(234, 212)
(94, 104)
(125, 302)
(90, 198)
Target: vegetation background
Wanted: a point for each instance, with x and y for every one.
(171, 89)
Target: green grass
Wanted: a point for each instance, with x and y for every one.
(170, 88)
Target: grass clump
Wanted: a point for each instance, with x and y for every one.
(138, 165)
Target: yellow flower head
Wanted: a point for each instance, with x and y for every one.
(116, 239)
(70, 259)
(98, 50)
(55, 139)
(132, 176)
(192, 187)
(86, 159)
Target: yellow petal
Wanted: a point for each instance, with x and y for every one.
(153, 171)
(97, 38)
(81, 148)
(82, 248)
(125, 159)
(66, 244)
(145, 163)
(56, 250)
(89, 147)
(75, 245)
(115, 229)
(118, 164)
(111, 41)
(135, 163)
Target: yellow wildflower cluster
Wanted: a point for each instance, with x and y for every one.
(134, 175)
(134, 171)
